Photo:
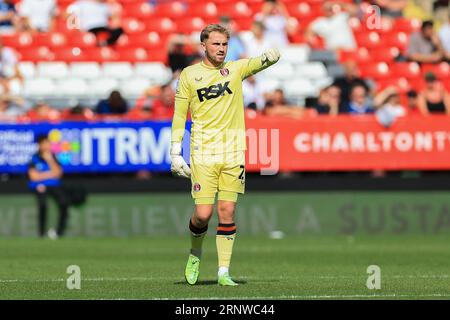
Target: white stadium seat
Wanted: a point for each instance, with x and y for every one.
(39, 87)
(155, 71)
(312, 70)
(296, 54)
(135, 87)
(54, 70)
(27, 69)
(280, 71)
(323, 82)
(102, 87)
(72, 87)
(85, 70)
(269, 85)
(299, 88)
(118, 70)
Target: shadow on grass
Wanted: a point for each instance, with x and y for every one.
(207, 282)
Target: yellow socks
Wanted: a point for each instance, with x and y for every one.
(197, 236)
(224, 242)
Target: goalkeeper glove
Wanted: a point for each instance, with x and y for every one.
(270, 56)
(178, 166)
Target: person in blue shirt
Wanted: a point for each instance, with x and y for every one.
(8, 16)
(45, 174)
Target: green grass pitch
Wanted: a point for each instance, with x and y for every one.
(313, 267)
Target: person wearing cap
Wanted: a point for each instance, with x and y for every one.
(424, 45)
(434, 98)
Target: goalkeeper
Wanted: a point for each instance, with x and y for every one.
(212, 92)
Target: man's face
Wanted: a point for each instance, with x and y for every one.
(216, 47)
(427, 32)
(358, 95)
(45, 146)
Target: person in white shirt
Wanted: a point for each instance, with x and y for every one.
(255, 41)
(253, 94)
(38, 15)
(9, 68)
(334, 27)
(274, 16)
(444, 35)
(95, 16)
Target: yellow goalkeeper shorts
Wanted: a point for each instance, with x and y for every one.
(220, 173)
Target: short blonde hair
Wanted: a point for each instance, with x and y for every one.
(214, 27)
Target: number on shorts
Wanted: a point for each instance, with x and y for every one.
(241, 176)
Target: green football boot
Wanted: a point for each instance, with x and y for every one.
(192, 269)
(225, 280)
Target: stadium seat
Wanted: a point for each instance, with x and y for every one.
(102, 87)
(299, 88)
(20, 40)
(270, 85)
(155, 71)
(386, 54)
(312, 70)
(407, 25)
(27, 69)
(133, 25)
(39, 87)
(133, 54)
(53, 70)
(135, 87)
(70, 54)
(406, 70)
(50, 39)
(85, 70)
(236, 10)
(375, 70)
(396, 39)
(300, 10)
(280, 71)
(82, 39)
(139, 10)
(117, 70)
(190, 24)
(368, 40)
(36, 54)
(295, 54)
(402, 84)
(146, 40)
(203, 10)
(160, 25)
(172, 9)
(360, 55)
(72, 87)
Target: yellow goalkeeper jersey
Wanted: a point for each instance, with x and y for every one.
(213, 95)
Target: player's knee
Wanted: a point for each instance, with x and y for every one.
(202, 215)
(226, 210)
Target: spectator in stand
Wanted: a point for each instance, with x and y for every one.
(276, 105)
(425, 46)
(115, 104)
(143, 106)
(412, 103)
(43, 112)
(350, 79)
(95, 16)
(359, 103)
(444, 36)
(253, 94)
(388, 107)
(9, 21)
(391, 8)
(38, 15)
(236, 48)
(434, 98)
(9, 68)
(327, 102)
(11, 107)
(181, 52)
(274, 17)
(256, 42)
(163, 105)
(334, 26)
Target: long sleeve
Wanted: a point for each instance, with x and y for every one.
(182, 99)
(252, 66)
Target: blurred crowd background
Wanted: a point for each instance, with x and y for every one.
(120, 59)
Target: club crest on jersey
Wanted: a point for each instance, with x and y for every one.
(225, 72)
(197, 187)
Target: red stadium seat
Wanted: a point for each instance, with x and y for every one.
(385, 54)
(141, 10)
(50, 39)
(36, 54)
(203, 10)
(397, 39)
(132, 25)
(368, 40)
(70, 54)
(360, 55)
(161, 25)
(441, 70)
(402, 84)
(146, 40)
(300, 10)
(190, 24)
(133, 54)
(407, 70)
(172, 9)
(377, 70)
(105, 54)
(244, 24)
(236, 10)
(82, 39)
(407, 25)
(19, 40)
